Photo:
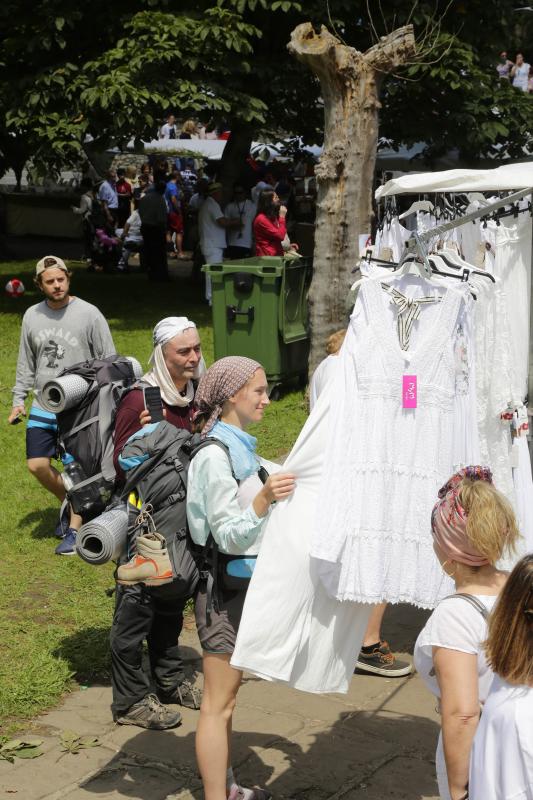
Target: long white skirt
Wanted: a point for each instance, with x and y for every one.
(291, 630)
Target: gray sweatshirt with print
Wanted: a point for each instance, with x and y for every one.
(52, 340)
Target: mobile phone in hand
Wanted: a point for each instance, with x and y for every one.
(153, 403)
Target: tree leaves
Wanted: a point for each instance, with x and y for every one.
(19, 748)
(72, 742)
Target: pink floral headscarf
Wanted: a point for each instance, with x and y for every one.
(448, 519)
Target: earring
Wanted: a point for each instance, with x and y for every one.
(449, 574)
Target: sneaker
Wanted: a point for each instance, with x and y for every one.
(382, 662)
(239, 793)
(185, 695)
(150, 565)
(61, 528)
(149, 713)
(67, 545)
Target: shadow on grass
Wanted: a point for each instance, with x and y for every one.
(42, 522)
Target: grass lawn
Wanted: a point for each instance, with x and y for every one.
(55, 612)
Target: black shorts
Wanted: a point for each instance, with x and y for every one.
(217, 630)
(41, 434)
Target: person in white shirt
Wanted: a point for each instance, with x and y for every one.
(212, 225)
(240, 240)
(473, 525)
(168, 130)
(520, 73)
(229, 496)
(501, 767)
(131, 237)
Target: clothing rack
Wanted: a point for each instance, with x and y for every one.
(414, 242)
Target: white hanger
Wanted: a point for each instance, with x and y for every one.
(476, 196)
(418, 205)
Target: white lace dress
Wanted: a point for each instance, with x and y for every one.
(384, 464)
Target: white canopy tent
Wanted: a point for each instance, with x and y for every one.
(507, 177)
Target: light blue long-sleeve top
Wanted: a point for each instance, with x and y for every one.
(217, 504)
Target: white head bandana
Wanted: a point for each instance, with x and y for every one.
(159, 375)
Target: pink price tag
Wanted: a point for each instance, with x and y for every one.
(409, 391)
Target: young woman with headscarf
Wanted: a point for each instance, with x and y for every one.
(472, 525)
(226, 499)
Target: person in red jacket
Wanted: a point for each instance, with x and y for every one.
(269, 225)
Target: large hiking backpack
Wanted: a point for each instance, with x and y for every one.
(85, 431)
(155, 461)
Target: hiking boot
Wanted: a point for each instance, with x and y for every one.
(382, 662)
(238, 793)
(150, 565)
(149, 713)
(67, 545)
(185, 695)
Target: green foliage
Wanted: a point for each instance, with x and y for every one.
(71, 72)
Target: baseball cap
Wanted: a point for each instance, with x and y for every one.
(215, 187)
(49, 261)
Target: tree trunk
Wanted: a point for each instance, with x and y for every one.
(232, 165)
(350, 83)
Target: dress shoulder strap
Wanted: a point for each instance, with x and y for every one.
(474, 602)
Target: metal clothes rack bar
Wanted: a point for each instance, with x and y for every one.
(412, 243)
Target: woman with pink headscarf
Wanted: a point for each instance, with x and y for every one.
(472, 525)
(229, 495)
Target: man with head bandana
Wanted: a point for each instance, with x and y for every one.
(154, 614)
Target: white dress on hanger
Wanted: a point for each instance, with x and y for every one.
(290, 630)
(384, 464)
(393, 235)
(511, 243)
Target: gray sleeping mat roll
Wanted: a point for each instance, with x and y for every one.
(63, 393)
(104, 539)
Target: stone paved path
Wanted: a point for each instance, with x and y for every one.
(376, 742)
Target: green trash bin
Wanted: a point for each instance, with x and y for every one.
(260, 311)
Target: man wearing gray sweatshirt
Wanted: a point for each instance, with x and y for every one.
(56, 333)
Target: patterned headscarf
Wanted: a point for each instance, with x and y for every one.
(225, 377)
(448, 519)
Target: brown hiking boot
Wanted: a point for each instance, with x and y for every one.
(150, 565)
(149, 713)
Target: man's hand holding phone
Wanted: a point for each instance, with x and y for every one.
(17, 412)
(153, 406)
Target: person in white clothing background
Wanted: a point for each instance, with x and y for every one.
(240, 240)
(168, 130)
(520, 73)
(501, 766)
(473, 525)
(212, 226)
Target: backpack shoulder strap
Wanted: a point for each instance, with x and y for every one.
(209, 441)
(474, 602)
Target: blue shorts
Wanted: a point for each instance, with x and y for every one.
(41, 434)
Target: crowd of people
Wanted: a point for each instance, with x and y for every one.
(172, 211)
(192, 129)
(518, 72)
(475, 653)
